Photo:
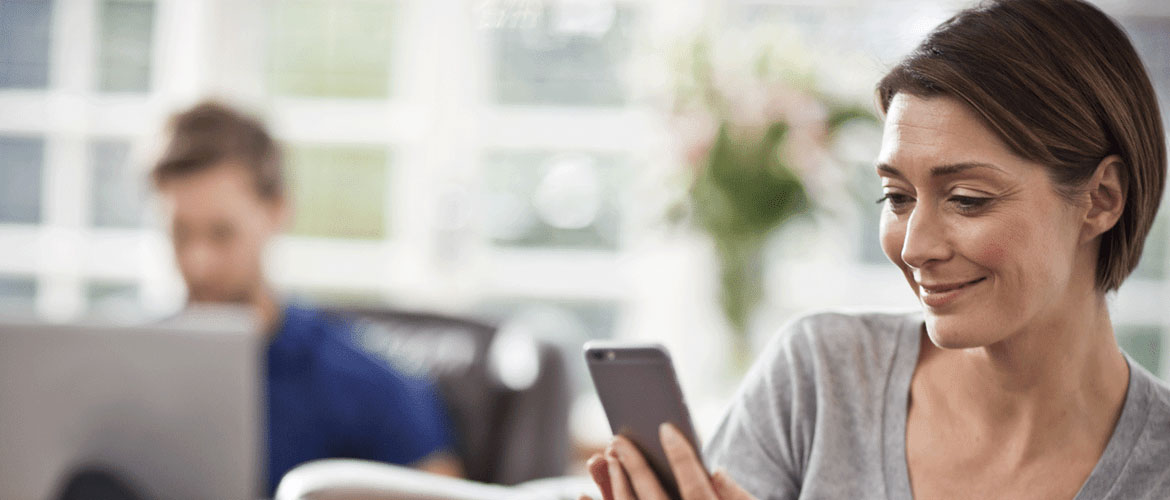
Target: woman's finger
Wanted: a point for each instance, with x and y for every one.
(599, 471)
(693, 483)
(642, 477)
(619, 485)
(727, 488)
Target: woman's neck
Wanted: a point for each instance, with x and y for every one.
(1061, 378)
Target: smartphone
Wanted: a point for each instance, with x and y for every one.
(639, 391)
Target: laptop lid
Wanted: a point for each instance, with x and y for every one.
(174, 408)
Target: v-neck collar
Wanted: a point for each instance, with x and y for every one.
(1129, 427)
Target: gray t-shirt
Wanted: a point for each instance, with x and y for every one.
(822, 414)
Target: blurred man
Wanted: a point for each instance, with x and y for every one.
(223, 193)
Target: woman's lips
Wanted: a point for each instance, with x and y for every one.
(937, 295)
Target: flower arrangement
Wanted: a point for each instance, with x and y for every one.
(756, 129)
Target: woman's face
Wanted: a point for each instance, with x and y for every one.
(984, 240)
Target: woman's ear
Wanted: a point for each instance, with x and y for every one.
(1107, 191)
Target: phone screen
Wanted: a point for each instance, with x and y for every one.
(639, 391)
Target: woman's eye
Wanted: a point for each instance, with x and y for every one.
(969, 203)
(896, 200)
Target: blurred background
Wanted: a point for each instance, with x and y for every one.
(529, 162)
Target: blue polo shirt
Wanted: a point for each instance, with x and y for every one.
(328, 398)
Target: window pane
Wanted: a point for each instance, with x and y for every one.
(870, 218)
(20, 179)
(1143, 344)
(563, 54)
(125, 47)
(568, 320)
(883, 31)
(24, 52)
(339, 191)
(119, 192)
(330, 48)
(113, 299)
(537, 199)
(1153, 263)
(1151, 38)
(855, 145)
(17, 295)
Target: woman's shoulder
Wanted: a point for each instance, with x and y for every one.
(1143, 433)
(841, 334)
(1157, 407)
(841, 347)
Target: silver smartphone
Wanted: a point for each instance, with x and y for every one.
(639, 391)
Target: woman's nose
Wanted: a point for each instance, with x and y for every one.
(925, 238)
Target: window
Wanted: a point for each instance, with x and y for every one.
(125, 46)
(1144, 344)
(24, 53)
(119, 193)
(17, 294)
(856, 145)
(21, 161)
(870, 219)
(566, 54)
(1149, 36)
(330, 48)
(339, 191)
(1153, 263)
(112, 299)
(566, 200)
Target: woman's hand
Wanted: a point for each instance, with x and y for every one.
(622, 473)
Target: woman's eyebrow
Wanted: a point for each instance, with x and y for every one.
(940, 170)
(955, 168)
(887, 169)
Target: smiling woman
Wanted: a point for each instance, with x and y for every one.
(1022, 163)
(965, 215)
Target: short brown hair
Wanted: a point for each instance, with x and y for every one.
(1059, 82)
(211, 133)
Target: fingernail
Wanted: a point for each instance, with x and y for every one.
(612, 465)
(668, 433)
(619, 445)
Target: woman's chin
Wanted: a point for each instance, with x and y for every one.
(954, 332)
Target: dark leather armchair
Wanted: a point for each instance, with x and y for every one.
(508, 395)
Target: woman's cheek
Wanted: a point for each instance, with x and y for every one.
(990, 241)
(991, 252)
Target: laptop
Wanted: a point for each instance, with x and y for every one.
(173, 409)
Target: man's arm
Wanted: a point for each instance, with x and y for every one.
(440, 462)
